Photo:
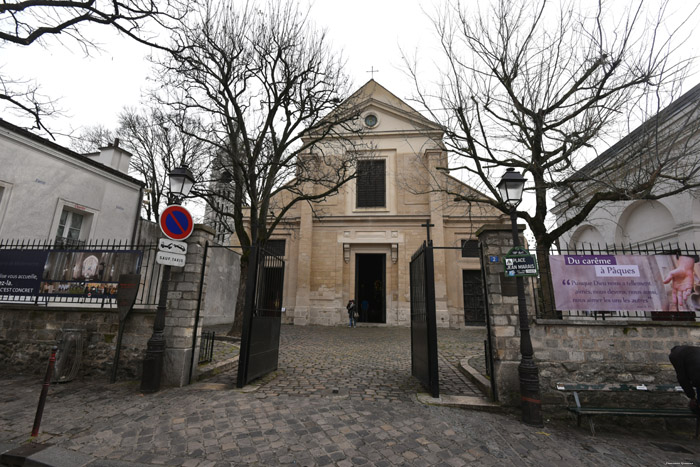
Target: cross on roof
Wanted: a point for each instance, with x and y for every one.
(373, 71)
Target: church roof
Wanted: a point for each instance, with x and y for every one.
(373, 94)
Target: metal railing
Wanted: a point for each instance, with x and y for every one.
(206, 347)
(28, 261)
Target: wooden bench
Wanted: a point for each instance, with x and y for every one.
(589, 412)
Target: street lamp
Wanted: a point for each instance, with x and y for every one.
(181, 182)
(511, 189)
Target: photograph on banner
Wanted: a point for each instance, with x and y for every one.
(657, 283)
(87, 273)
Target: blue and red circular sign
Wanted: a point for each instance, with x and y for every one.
(176, 222)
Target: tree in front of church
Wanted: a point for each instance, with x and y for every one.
(38, 22)
(537, 85)
(266, 84)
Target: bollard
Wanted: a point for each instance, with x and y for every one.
(44, 392)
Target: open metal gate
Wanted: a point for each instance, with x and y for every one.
(424, 355)
(261, 316)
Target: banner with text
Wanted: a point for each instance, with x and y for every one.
(625, 282)
(74, 273)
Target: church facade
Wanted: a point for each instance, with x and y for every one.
(358, 243)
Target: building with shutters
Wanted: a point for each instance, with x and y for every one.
(358, 244)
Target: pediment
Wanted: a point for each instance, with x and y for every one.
(393, 114)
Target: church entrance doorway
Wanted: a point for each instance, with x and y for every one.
(370, 287)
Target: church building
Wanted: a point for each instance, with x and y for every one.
(358, 243)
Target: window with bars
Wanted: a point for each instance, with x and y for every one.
(470, 248)
(371, 183)
(275, 247)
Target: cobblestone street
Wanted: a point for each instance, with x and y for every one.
(293, 417)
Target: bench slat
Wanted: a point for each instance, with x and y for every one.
(632, 412)
(618, 387)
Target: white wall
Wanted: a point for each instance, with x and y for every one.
(38, 181)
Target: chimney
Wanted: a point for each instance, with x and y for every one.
(113, 156)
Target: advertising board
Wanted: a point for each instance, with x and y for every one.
(662, 283)
(70, 273)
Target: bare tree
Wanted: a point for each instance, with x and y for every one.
(535, 86)
(91, 139)
(158, 142)
(267, 82)
(27, 22)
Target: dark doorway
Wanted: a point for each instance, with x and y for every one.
(370, 287)
(473, 290)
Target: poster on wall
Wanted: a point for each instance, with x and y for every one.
(656, 283)
(70, 273)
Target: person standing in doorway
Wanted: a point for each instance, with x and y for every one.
(352, 310)
(686, 362)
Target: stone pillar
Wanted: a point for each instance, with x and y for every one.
(183, 297)
(497, 240)
(437, 235)
(302, 306)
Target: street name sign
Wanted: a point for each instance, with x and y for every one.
(170, 259)
(518, 262)
(172, 246)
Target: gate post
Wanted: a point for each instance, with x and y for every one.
(183, 297)
(496, 241)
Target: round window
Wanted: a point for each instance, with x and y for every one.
(371, 120)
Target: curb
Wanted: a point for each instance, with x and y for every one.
(475, 377)
(461, 402)
(219, 368)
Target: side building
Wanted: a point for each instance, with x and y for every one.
(50, 193)
(358, 243)
(673, 221)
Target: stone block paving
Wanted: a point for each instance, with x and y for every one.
(300, 421)
(363, 363)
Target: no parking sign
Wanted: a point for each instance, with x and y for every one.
(176, 222)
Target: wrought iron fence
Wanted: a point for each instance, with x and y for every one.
(206, 347)
(26, 260)
(688, 311)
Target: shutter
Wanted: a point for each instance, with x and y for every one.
(371, 184)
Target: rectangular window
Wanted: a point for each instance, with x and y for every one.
(69, 227)
(275, 247)
(371, 184)
(470, 248)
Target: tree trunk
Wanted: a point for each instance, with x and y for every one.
(545, 296)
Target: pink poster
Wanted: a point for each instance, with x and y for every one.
(625, 282)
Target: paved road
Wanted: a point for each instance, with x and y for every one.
(294, 418)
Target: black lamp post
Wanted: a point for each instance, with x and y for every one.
(511, 189)
(181, 182)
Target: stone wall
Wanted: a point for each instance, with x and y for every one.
(583, 350)
(28, 332)
(624, 351)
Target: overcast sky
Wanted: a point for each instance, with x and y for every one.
(368, 32)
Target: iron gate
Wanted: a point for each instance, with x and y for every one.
(261, 316)
(424, 356)
(473, 293)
